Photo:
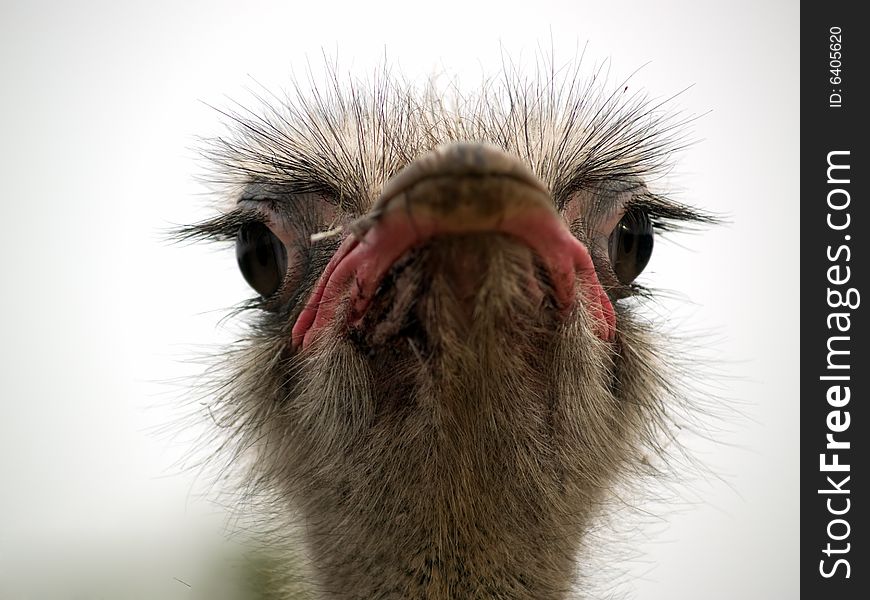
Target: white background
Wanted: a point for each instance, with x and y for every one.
(99, 110)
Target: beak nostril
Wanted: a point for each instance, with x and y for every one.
(465, 160)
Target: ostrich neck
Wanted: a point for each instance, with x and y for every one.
(466, 500)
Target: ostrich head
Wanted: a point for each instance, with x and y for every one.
(444, 375)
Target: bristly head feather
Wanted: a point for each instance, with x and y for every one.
(344, 139)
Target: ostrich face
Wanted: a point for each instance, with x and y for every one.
(443, 386)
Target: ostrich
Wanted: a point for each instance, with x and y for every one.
(444, 377)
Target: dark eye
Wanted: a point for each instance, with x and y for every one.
(262, 258)
(631, 245)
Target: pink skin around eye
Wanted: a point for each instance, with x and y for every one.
(359, 265)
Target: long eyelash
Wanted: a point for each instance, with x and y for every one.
(668, 215)
(223, 228)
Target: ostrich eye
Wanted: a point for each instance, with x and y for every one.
(262, 258)
(631, 245)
